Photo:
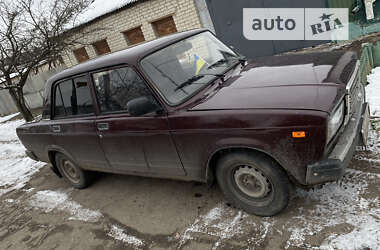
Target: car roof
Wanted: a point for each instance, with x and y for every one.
(130, 55)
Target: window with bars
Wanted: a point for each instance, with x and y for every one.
(101, 47)
(134, 36)
(164, 26)
(81, 55)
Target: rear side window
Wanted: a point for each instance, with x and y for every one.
(115, 88)
(73, 97)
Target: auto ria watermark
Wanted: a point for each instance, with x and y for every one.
(295, 23)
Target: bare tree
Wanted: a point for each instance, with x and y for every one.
(33, 32)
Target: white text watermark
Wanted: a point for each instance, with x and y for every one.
(295, 23)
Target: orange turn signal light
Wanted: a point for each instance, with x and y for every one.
(298, 134)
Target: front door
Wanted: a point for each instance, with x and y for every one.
(130, 143)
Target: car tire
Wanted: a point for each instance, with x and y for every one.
(70, 171)
(254, 183)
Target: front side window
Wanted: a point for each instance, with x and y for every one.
(116, 87)
(73, 97)
(198, 55)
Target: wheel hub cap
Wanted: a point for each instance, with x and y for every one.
(70, 171)
(252, 182)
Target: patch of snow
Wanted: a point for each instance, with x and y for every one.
(11, 151)
(49, 200)
(373, 91)
(15, 173)
(120, 234)
(336, 204)
(213, 214)
(372, 153)
(223, 223)
(99, 8)
(8, 130)
(15, 168)
(364, 236)
(8, 117)
(29, 190)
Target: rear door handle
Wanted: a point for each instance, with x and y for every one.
(102, 126)
(56, 128)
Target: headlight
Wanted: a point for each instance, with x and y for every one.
(335, 120)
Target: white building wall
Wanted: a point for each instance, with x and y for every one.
(142, 14)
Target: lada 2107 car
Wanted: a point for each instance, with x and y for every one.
(188, 107)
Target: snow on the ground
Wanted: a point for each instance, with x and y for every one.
(15, 173)
(15, 168)
(99, 8)
(8, 117)
(341, 203)
(49, 200)
(373, 91)
(120, 234)
(364, 236)
(225, 223)
(8, 130)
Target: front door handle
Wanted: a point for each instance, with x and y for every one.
(56, 128)
(102, 126)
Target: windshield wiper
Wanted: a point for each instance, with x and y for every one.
(218, 63)
(194, 79)
(222, 61)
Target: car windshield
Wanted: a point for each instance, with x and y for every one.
(201, 55)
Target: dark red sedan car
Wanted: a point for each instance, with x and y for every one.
(188, 107)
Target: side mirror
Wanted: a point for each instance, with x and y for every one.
(141, 106)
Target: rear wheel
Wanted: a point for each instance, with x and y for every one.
(77, 177)
(253, 182)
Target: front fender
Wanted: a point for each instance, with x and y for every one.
(226, 147)
(293, 155)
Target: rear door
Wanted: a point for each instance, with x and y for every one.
(73, 123)
(130, 143)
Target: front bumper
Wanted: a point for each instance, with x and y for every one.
(333, 168)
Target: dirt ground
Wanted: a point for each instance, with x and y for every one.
(125, 212)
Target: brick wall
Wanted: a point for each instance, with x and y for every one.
(142, 14)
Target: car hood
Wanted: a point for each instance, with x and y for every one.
(313, 81)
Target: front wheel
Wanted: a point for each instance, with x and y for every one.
(253, 182)
(77, 177)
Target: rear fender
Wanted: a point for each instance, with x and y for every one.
(57, 149)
